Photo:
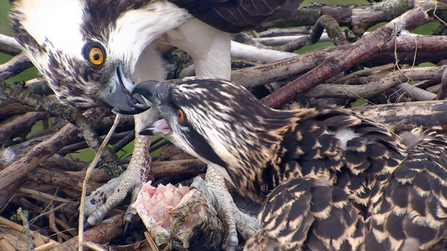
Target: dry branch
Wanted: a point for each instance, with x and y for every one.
(358, 17)
(9, 45)
(428, 48)
(375, 86)
(442, 93)
(39, 153)
(407, 115)
(16, 65)
(58, 178)
(362, 50)
(18, 124)
(102, 233)
(68, 113)
(324, 22)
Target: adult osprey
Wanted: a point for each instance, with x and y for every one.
(95, 50)
(87, 49)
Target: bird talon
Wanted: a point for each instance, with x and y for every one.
(124, 233)
(231, 242)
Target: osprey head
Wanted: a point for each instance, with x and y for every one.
(222, 124)
(87, 49)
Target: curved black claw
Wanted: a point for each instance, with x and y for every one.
(125, 232)
(86, 225)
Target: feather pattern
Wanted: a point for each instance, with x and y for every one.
(328, 180)
(238, 15)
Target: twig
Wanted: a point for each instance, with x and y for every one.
(246, 39)
(87, 176)
(282, 40)
(60, 179)
(124, 141)
(94, 246)
(40, 195)
(10, 107)
(416, 93)
(52, 224)
(324, 22)
(284, 32)
(25, 223)
(248, 52)
(36, 156)
(19, 228)
(364, 72)
(443, 88)
(81, 144)
(155, 147)
(150, 241)
(177, 167)
(358, 17)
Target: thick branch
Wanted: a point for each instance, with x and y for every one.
(102, 233)
(14, 66)
(177, 167)
(407, 115)
(18, 124)
(9, 45)
(63, 180)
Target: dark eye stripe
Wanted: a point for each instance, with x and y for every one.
(201, 147)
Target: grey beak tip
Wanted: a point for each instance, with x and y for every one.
(124, 104)
(147, 131)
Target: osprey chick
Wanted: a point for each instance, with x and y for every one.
(328, 180)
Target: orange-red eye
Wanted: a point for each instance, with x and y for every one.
(181, 116)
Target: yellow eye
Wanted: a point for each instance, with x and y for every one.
(96, 56)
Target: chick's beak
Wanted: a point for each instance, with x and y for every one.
(159, 127)
(157, 93)
(119, 97)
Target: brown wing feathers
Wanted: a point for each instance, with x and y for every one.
(238, 15)
(368, 178)
(304, 214)
(414, 203)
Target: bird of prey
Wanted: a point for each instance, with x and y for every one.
(93, 51)
(328, 179)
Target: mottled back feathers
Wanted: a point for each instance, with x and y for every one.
(329, 179)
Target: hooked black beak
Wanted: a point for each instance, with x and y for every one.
(120, 97)
(152, 90)
(157, 93)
